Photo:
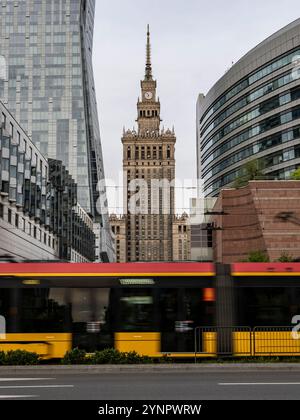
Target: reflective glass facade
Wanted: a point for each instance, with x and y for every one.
(38, 199)
(46, 81)
(253, 112)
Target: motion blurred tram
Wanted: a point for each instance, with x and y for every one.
(184, 310)
(149, 308)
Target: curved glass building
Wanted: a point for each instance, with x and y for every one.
(253, 112)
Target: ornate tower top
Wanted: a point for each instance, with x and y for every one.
(148, 74)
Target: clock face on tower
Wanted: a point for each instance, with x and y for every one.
(148, 95)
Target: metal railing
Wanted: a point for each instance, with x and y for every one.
(270, 341)
(246, 341)
(210, 341)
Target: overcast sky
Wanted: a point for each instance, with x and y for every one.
(194, 42)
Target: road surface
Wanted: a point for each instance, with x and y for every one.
(201, 385)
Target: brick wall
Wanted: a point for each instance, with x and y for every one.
(252, 221)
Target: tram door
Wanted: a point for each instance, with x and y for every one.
(181, 311)
(92, 322)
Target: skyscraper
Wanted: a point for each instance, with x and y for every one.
(149, 161)
(48, 85)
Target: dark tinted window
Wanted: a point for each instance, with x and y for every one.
(136, 310)
(268, 306)
(44, 310)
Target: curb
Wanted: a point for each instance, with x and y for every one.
(190, 368)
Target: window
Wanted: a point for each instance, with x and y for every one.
(137, 310)
(168, 152)
(17, 221)
(1, 211)
(44, 310)
(9, 216)
(4, 120)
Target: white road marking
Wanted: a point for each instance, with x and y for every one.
(36, 386)
(259, 383)
(25, 379)
(4, 397)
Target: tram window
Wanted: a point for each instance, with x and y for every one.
(181, 310)
(89, 305)
(137, 310)
(266, 306)
(179, 306)
(43, 310)
(4, 299)
(81, 307)
(168, 309)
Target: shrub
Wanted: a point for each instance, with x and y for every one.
(258, 256)
(75, 357)
(166, 358)
(19, 358)
(250, 171)
(133, 358)
(113, 356)
(2, 358)
(107, 356)
(296, 175)
(285, 258)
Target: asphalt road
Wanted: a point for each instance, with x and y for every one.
(215, 385)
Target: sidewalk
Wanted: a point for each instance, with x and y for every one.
(177, 368)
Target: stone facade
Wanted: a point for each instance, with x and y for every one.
(182, 238)
(118, 227)
(263, 216)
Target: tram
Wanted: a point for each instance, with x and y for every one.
(150, 308)
(184, 310)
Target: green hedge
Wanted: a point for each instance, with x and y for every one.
(75, 357)
(112, 356)
(18, 358)
(104, 357)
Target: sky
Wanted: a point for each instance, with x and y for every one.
(194, 42)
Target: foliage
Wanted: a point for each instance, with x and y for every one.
(107, 356)
(250, 171)
(296, 175)
(104, 357)
(258, 256)
(165, 359)
(75, 357)
(19, 358)
(285, 258)
(113, 356)
(2, 358)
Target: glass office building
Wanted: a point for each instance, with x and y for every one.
(253, 112)
(46, 81)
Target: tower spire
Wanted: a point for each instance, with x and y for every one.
(148, 75)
